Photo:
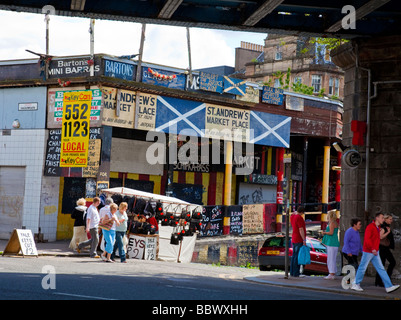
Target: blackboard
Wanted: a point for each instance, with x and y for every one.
(74, 189)
(191, 193)
(235, 214)
(212, 221)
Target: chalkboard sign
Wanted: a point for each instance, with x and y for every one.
(212, 221)
(191, 193)
(74, 189)
(272, 95)
(252, 218)
(235, 214)
(211, 82)
(21, 240)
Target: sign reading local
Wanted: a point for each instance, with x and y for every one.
(75, 128)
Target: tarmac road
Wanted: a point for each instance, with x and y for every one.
(61, 278)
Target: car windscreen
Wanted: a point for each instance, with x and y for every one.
(274, 242)
(318, 246)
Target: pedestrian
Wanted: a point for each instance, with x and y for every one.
(109, 235)
(352, 243)
(92, 223)
(78, 214)
(330, 239)
(370, 252)
(105, 209)
(298, 239)
(385, 247)
(120, 232)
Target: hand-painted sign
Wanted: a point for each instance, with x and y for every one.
(234, 86)
(118, 107)
(272, 95)
(211, 82)
(179, 116)
(72, 67)
(120, 70)
(227, 123)
(146, 111)
(176, 82)
(251, 94)
(270, 129)
(75, 129)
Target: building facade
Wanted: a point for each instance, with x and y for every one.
(127, 116)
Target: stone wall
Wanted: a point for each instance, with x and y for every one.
(383, 57)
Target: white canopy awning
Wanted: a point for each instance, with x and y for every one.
(166, 201)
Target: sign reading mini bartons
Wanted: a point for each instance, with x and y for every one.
(75, 128)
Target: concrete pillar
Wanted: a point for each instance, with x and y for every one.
(381, 58)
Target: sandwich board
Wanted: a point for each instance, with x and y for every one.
(21, 240)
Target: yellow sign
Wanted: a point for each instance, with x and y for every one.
(75, 128)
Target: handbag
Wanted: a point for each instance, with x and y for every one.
(304, 255)
(106, 225)
(385, 242)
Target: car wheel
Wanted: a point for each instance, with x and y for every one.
(263, 268)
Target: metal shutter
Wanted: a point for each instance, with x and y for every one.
(12, 189)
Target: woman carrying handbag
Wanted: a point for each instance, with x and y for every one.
(108, 224)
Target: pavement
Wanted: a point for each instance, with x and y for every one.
(61, 249)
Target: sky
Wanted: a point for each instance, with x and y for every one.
(166, 45)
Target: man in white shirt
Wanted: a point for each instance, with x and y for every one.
(92, 222)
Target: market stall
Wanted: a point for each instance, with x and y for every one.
(159, 246)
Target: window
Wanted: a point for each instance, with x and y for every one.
(334, 86)
(278, 53)
(316, 83)
(298, 80)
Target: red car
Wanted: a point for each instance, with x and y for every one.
(272, 254)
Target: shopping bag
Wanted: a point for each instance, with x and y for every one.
(304, 255)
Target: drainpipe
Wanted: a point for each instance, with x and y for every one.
(367, 153)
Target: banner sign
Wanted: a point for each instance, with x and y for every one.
(120, 70)
(178, 116)
(118, 108)
(95, 105)
(73, 67)
(270, 129)
(178, 82)
(211, 82)
(227, 123)
(234, 86)
(272, 95)
(146, 111)
(75, 129)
